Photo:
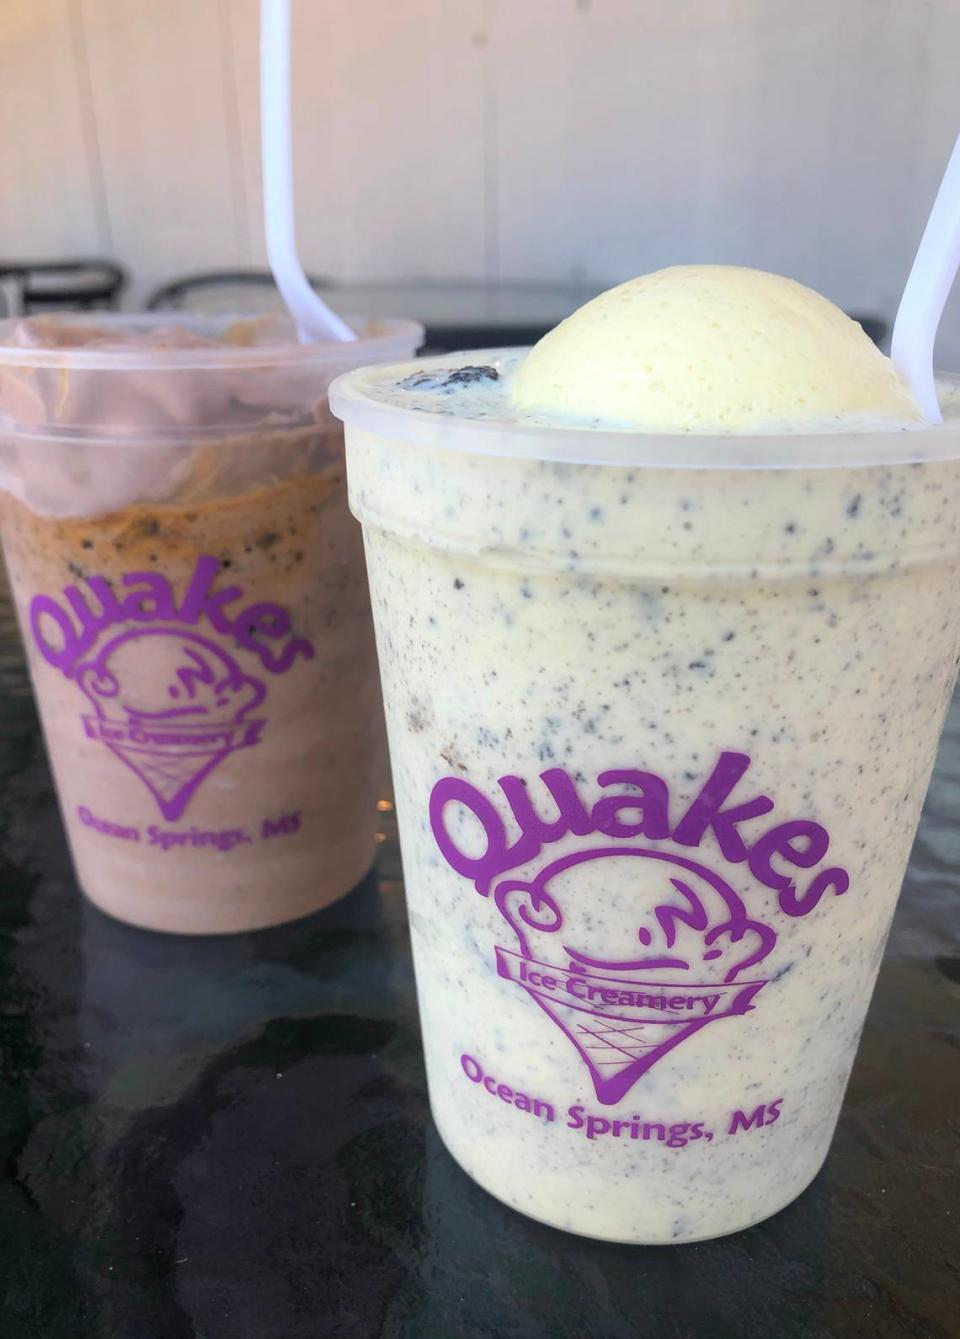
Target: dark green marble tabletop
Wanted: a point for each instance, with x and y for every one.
(229, 1138)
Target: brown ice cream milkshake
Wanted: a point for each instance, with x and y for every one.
(191, 591)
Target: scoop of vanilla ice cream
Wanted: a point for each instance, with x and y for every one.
(708, 348)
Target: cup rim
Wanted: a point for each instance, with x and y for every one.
(354, 398)
(378, 337)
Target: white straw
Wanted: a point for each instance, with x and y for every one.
(314, 319)
(928, 287)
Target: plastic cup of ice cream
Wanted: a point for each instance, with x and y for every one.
(662, 710)
(191, 593)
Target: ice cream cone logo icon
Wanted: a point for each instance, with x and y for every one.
(631, 951)
(171, 705)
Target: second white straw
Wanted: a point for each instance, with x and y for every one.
(315, 321)
(928, 287)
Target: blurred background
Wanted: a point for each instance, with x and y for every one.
(480, 160)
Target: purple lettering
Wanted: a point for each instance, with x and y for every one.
(471, 1068)
(94, 622)
(279, 664)
(741, 1121)
(573, 817)
(678, 1135)
(200, 601)
(706, 810)
(651, 806)
(270, 620)
(642, 811)
(801, 843)
(499, 855)
(61, 657)
(837, 879)
(154, 601)
(149, 598)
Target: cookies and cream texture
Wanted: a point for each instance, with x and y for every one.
(662, 720)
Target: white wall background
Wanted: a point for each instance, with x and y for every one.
(584, 139)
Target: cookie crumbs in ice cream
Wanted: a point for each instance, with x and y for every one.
(702, 668)
(709, 349)
(443, 380)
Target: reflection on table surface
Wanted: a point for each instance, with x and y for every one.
(229, 1137)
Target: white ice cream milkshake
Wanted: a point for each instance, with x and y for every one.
(667, 626)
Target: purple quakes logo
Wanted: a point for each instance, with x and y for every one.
(629, 949)
(170, 703)
(627, 994)
(200, 701)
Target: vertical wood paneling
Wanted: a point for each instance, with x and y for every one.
(602, 134)
(159, 98)
(388, 118)
(47, 202)
(801, 138)
(587, 139)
